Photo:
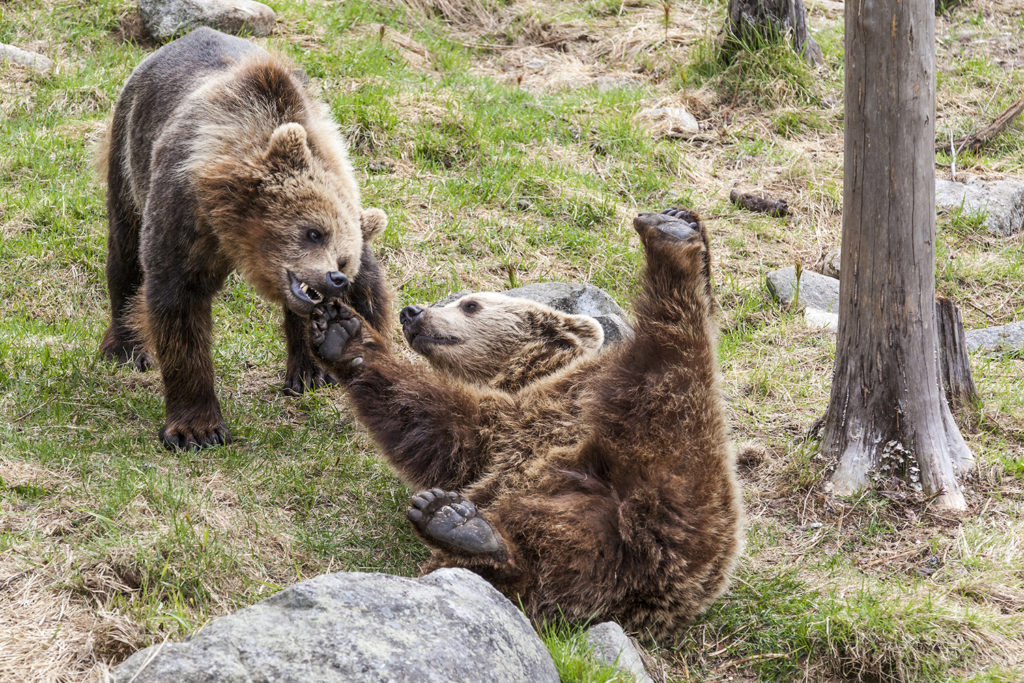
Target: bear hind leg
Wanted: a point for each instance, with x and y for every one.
(122, 343)
(677, 285)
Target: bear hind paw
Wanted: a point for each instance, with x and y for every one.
(453, 522)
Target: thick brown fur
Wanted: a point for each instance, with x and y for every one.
(605, 489)
(218, 159)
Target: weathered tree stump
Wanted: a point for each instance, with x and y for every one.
(771, 20)
(955, 369)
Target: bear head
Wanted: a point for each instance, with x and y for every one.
(500, 340)
(288, 221)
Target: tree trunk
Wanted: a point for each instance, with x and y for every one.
(887, 414)
(955, 367)
(770, 20)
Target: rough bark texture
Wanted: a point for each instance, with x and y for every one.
(953, 362)
(887, 413)
(772, 19)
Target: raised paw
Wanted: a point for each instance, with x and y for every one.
(453, 522)
(332, 326)
(193, 437)
(676, 225)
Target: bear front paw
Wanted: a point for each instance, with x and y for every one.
(332, 326)
(193, 437)
(452, 521)
(299, 380)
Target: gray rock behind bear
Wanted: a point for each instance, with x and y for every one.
(573, 298)
(450, 625)
(580, 299)
(165, 19)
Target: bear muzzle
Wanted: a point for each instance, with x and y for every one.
(305, 296)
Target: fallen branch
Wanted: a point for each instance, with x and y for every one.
(976, 141)
(753, 202)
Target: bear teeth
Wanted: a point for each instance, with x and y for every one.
(314, 296)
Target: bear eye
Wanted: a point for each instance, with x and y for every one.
(315, 236)
(469, 306)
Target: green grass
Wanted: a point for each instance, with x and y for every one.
(574, 658)
(493, 185)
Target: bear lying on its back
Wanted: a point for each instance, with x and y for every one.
(220, 159)
(585, 485)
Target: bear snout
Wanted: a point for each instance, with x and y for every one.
(409, 314)
(335, 283)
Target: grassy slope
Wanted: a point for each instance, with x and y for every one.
(108, 543)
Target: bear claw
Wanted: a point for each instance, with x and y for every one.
(194, 440)
(451, 520)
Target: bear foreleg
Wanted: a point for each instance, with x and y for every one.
(435, 432)
(180, 330)
(302, 372)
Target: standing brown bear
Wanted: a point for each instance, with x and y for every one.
(220, 159)
(583, 485)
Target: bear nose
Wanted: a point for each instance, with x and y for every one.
(337, 282)
(409, 313)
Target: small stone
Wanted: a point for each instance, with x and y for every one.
(823, 319)
(449, 625)
(612, 647)
(165, 19)
(1002, 339)
(1001, 201)
(814, 291)
(30, 60)
(671, 122)
(379, 167)
(608, 83)
(830, 263)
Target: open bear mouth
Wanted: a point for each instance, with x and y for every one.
(420, 338)
(302, 291)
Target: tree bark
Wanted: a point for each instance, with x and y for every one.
(771, 20)
(957, 381)
(887, 414)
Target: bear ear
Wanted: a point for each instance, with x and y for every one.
(288, 146)
(587, 331)
(373, 223)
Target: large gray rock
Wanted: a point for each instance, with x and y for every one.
(573, 298)
(30, 60)
(613, 647)
(166, 19)
(450, 625)
(1002, 201)
(1002, 339)
(815, 290)
(580, 300)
